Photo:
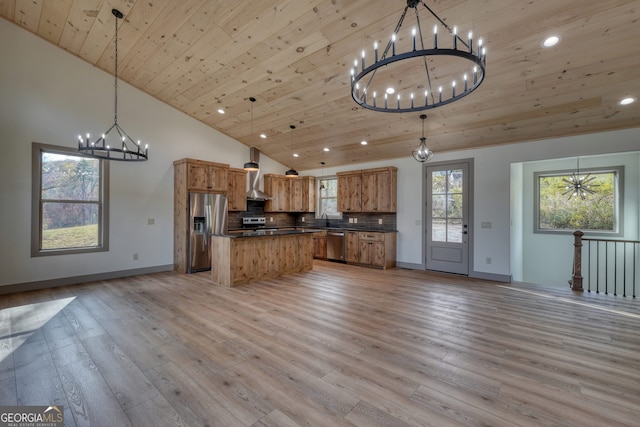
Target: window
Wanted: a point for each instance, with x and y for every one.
(69, 202)
(328, 197)
(599, 212)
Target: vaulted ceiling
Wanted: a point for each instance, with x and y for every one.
(294, 57)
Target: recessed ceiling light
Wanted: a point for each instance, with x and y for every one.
(296, 155)
(263, 136)
(391, 90)
(363, 142)
(221, 111)
(326, 149)
(627, 101)
(551, 41)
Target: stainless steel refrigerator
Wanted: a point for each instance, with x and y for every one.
(207, 215)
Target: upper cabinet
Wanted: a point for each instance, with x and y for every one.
(237, 194)
(290, 194)
(203, 176)
(369, 190)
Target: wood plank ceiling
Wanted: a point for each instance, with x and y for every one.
(294, 57)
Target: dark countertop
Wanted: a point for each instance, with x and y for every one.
(297, 230)
(233, 234)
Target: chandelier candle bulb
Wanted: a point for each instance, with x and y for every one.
(435, 36)
(413, 36)
(393, 44)
(411, 99)
(374, 99)
(470, 42)
(455, 37)
(453, 89)
(465, 81)
(363, 67)
(426, 97)
(375, 51)
(385, 101)
(398, 101)
(440, 94)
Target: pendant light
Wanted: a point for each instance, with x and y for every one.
(251, 166)
(291, 172)
(423, 153)
(322, 187)
(579, 186)
(124, 147)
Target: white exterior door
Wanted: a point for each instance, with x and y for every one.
(447, 218)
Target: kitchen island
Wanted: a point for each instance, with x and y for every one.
(248, 256)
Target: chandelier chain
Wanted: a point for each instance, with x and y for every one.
(115, 85)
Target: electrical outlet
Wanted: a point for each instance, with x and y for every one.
(380, 221)
(488, 260)
(270, 219)
(302, 219)
(350, 220)
(135, 256)
(151, 221)
(355, 220)
(418, 222)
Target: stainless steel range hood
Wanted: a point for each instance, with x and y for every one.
(254, 192)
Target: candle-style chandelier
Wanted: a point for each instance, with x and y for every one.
(401, 81)
(124, 147)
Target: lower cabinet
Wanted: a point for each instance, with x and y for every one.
(320, 245)
(372, 249)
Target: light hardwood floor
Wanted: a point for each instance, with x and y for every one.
(336, 346)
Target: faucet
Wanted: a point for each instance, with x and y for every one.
(324, 214)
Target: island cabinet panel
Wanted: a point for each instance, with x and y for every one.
(237, 195)
(243, 260)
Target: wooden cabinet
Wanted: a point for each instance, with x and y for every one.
(207, 177)
(372, 249)
(237, 191)
(369, 190)
(277, 187)
(350, 191)
(352, 248)
(295, 194)
(190, 175)
(320, 245)
(243, 260)
(379, 190)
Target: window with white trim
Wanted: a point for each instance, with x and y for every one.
(69, 202)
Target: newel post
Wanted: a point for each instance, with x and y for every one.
(576, 280)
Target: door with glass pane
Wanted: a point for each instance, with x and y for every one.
(447, 211)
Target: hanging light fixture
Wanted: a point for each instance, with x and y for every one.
(577, 186)
(322, 187)
(372, 85)
(124, 147)
(423, 153)
(291, 172)
(251, 165)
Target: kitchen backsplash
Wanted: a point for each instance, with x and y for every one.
(366, 221)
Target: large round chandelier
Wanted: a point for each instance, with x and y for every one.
(411, 75)
(117, 147)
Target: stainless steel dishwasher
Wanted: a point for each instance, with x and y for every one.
(335, 245)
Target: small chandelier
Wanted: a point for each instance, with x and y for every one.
(577, 186)
(423, 153)
(468, 61)
(124, 148)
(291, 172)
(251, 166)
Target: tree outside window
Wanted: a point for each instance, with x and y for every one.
(598, 212)
(69, 195)
(328, 198)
